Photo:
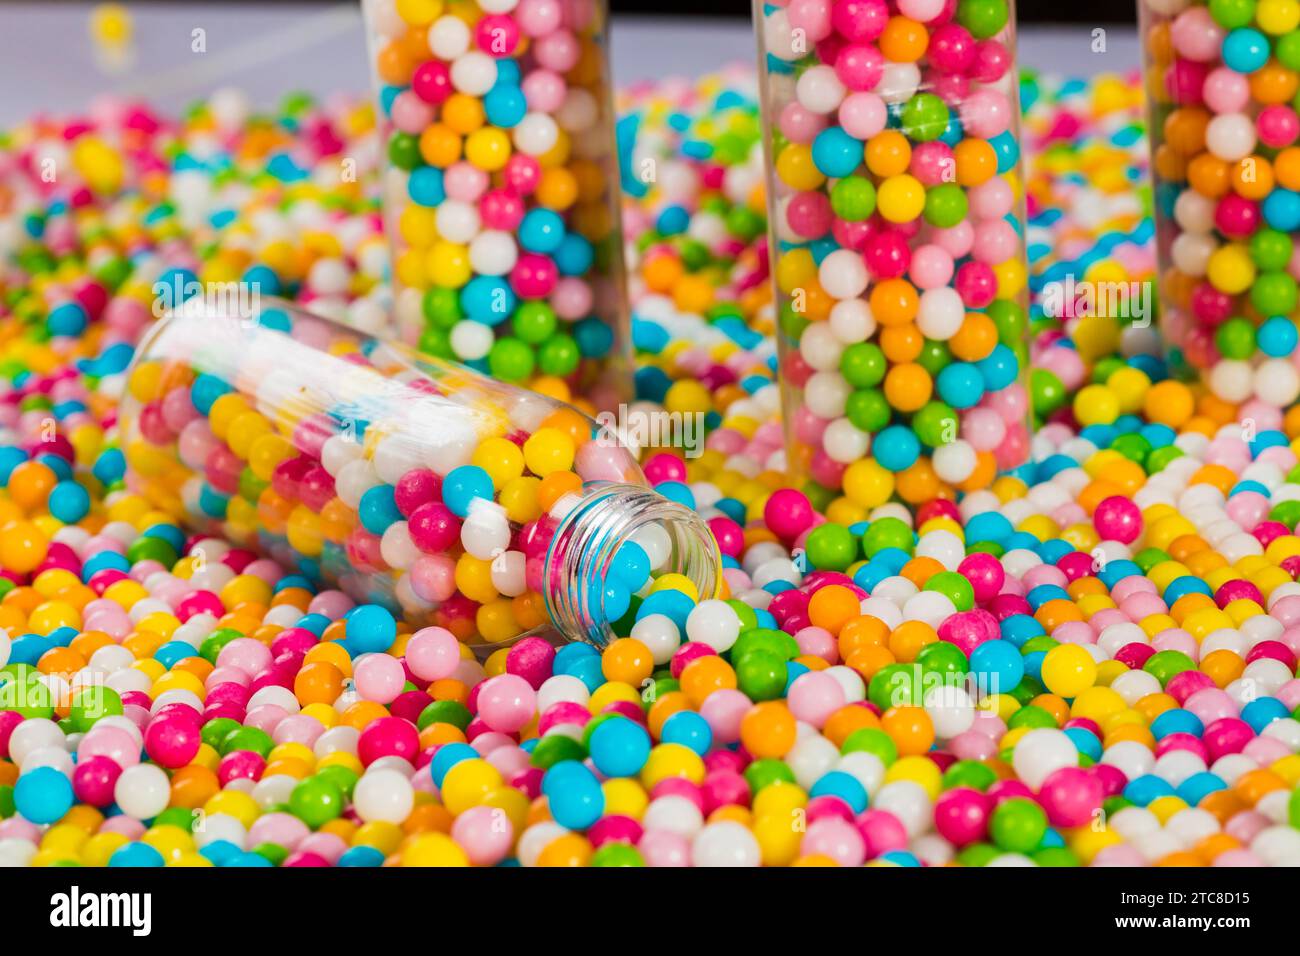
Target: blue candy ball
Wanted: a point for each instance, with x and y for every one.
(69, 502)
(542, 230)
(573, 795)
(43, 795)
(462, 485)
(619, 747)
(370, 628)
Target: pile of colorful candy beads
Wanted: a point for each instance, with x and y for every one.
(895, 206)
(329, 782)
(502, 189)
(1221, 78)
(855, 716)
(409, 482)
(144, 207)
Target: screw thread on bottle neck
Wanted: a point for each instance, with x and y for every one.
(589, 536)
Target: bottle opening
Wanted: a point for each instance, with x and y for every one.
(612, 547)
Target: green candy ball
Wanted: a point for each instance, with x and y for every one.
(955, 587)
(1018, 825)
(316, 801)
(404, 151)
(831, 547)
(1235, 338)
(983, 18)
(91, 703)
(764, 773)
(617, 854)
(534, 322)
(1274, 293)
(441, 307)
(559, 356)
(868, 409)
(853, 198)
(885, 533)
(863, 365)
(761, 675)
(1165, 665)
(511, 360)
(1231, 14)
(924, 118)
(945, 205)
(935, 424)
(871, 740)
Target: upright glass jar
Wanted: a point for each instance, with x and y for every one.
(501, 187)
(1221, 81)
(411, 482)
(896, 218)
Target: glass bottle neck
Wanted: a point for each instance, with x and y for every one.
(587, 539)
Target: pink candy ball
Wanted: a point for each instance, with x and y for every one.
(862, 115)
(663, 848)
(484, 834)
(809, 214)
(433, 653)
(836, 838)
(248, 654)
(379, 677)
(1070, 796)
(814, 697)
(433, 576)
(931, 267)
(1118, 519)
(507, 702)
(532, 659)
(1195, 35)
(388, 737)
(961, 815)
(93, 780)
(788, 513)
(882, 832)
(1278, 125)
(724, 710)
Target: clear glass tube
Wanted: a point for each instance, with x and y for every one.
(1225, 158)
(408, 481)
(897, 224)
(501, 187)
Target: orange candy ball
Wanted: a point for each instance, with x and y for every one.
(627, 660)
(910, 728)
(768, 730)
(318, 682)
(833, 607)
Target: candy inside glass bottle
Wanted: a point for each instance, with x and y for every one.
(1221, 81)
(501, 193)
(896, 213)
(410, 482)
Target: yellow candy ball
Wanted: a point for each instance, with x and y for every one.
(1068, 670)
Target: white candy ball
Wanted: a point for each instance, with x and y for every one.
(142, 791)
(384, 795)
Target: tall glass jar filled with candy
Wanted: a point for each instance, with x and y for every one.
(1221, 81)
(501, 187)
(410, 482)
(897, 243)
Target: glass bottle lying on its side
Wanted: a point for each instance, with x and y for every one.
(449, 497)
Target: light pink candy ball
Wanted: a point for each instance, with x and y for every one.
(380, 677)
(814, 697)
(484, 834)
(662, 848)
(433, 653)
(507, 703)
